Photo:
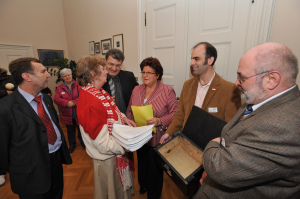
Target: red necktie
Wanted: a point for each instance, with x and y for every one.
(46, 120)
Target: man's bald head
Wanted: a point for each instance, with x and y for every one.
(275, 57)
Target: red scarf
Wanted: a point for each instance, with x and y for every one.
(110, 106)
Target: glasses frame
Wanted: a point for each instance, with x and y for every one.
(112, 65)
(147, 73)
(241, 79)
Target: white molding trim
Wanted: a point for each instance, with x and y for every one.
(260, 22)
(141, 6)
(28, 48)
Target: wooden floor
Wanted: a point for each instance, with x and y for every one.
(79, 180)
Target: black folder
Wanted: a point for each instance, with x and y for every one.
(201, 127)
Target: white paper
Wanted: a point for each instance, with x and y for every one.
(132, 138)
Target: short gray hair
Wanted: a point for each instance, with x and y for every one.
(64, 71)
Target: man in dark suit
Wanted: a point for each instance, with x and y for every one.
(257, 155)
(119, 83)
(32, 144)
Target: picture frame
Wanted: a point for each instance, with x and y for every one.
(97, 47)
(47, 56)
(105, 45)
(92, 47)
(118, 42)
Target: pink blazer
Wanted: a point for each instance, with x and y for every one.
(163, 100)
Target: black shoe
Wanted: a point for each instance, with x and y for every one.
(71, 149)
(143, 190)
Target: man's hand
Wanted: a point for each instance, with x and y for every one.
(156, 121)
(70, 103)
(164, 138)
(129, 122)
(204, 174)
(218, 139)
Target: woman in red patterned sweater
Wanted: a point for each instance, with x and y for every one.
(97, 113)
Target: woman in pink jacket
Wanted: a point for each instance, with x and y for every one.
(164, 103)
(66, 98)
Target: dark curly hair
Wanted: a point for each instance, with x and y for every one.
(211, 51)
(155, 64)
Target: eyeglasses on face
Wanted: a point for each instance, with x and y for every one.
(147, 73)
(117, 65)
(241, 79)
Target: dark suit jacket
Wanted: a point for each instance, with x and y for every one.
(128, 83)
(24, 149)
(261, 157)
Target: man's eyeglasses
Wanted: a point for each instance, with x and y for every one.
(147, 73)
(241, 79)
(111, 64)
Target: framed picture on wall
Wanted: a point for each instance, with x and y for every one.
(105, 45)
(97, 47)
(47, 56)
(118, 42)
(92, 47)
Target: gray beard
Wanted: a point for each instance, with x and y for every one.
(251, 96)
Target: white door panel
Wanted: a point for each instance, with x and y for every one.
(12, 52)
(175, 26)
(224, 25)
(165, 39)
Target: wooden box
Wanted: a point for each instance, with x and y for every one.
(182, 160)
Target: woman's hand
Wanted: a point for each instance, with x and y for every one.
(70, 103)
(156, 121)
(164, 138)
(129, 122)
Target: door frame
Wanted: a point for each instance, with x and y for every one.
(259, 27)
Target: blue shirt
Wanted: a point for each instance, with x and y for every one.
(29, 98)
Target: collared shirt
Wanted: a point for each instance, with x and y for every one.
(201, 92)
(29, 98)
(119, 99)
(69, 89)
(256, 106)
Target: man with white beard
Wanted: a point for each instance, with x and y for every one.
(257, 155)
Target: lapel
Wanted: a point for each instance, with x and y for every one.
(192, 92)
(25, 107)
(123, 82)
(235, 119)
(156, 93)
(213, 88)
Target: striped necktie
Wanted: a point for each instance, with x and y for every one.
(112, 87)
(247, 111)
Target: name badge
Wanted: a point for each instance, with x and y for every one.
(63, 93)
(213, 109)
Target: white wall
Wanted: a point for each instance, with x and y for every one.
(286, 26)
(39, 23)
(95, 20)
(69, 25)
